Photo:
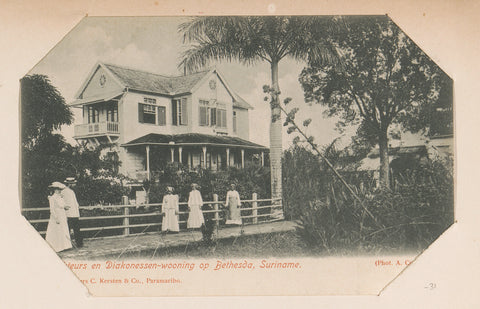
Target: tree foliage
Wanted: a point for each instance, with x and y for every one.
(251, 39)
(385, 79)
(43, 109)
(411, 216)
(260, 38)
(47, 157)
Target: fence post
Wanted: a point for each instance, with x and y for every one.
(126, 212)
(126, 221)
(254, 208)
(215, 207)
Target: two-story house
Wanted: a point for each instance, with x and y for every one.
(196, 119)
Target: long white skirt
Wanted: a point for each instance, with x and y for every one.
(170, 221)
(234, 215)
(58, 234)
(195, 218)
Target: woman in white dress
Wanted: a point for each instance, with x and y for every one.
(170, 212)
(58, 233)
(195, 203)
(233, 204)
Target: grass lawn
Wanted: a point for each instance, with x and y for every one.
(285, 244)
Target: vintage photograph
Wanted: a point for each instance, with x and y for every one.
(159, 138)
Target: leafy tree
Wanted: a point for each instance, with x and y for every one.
(385, 80)
(47, 157)
(43, 109)
(253, 39)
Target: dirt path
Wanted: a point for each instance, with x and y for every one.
(99, 248)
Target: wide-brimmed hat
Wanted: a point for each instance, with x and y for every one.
(169, 189)
(70, 180)
(57, 185)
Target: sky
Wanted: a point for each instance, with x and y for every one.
(153, 44)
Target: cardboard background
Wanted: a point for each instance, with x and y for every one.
(32, 276)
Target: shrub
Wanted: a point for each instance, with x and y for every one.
(252, 179)
(411, 216)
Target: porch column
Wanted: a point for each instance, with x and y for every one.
(172, 155)
(262, 158)
(147, 150)
(204, 149)
(228, 157)
(243, 158)
(189, 163)
(180, 154)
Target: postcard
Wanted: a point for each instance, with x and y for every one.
(239, 155)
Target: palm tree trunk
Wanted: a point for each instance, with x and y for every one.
(276, 139)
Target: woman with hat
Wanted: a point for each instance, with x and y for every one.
(58, 234)
(195, 203)
(170, 212)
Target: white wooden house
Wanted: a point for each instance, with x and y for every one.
(195, 119)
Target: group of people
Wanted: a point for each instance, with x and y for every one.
(170, 209)
(64, 215)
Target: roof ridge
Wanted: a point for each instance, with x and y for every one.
(150, 72)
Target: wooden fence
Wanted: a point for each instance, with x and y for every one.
(115, 220)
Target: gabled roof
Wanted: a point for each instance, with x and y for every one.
(138, 80)
(155, 83)
(193, 139)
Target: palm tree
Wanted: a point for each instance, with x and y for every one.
(260, 38)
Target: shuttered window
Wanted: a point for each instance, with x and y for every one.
(234, 122)
(179, 111)
(221, 118)
(162, 117)
(213, 116)
(203, 113)
(146, 113)
(184, 114)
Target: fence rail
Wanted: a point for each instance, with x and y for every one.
(253, 211)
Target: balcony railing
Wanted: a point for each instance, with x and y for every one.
(98, 128)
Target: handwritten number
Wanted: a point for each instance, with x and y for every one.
(431, 286)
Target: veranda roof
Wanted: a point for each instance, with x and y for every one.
(193, 139)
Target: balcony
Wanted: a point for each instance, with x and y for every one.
(96, 129)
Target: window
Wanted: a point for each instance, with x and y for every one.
(146, 113)
(179, 112)
(162, 116)
(149, 101)
(112, 113)
(203, 112)
(93, 114)
(213, 116)
(234, 121)
(150, 113)
(221, 118)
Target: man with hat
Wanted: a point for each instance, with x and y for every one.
(72, 210)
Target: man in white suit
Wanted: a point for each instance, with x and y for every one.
(72, 210)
